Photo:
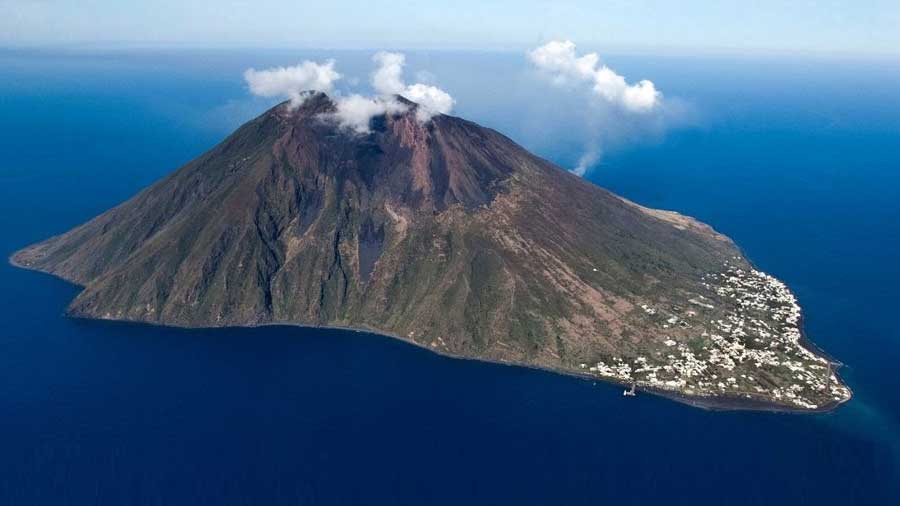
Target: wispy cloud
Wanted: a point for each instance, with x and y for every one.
(387, 80)
(559, 59)
(354, 111)
(614, 110)
(291, 82)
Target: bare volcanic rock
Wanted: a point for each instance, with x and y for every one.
(449, 235)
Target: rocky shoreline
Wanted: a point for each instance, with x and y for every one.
(722, 402)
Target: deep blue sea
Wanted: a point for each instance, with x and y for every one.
(795, 157)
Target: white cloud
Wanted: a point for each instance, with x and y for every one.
(291, 82)
(387, 80)
(559, 59)
(613, 111)
(431, 99)
(388, 77)
(353, 111)
(356, 111)
(587, 160)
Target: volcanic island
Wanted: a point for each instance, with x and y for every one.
(448, 235)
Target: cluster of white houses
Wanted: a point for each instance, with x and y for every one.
(749, 347)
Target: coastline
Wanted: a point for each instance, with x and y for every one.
(804, 340)
(709, 403)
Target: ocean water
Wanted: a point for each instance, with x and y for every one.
(796, 158)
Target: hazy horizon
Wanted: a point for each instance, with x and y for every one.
(770, 26)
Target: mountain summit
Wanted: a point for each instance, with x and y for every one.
(449, 235)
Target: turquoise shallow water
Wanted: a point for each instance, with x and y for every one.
(796, 159)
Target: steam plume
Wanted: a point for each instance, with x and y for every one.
(291, 82)
(615, 108)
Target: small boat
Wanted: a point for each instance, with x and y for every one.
(630, 392)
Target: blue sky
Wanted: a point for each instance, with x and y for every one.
(835, 26)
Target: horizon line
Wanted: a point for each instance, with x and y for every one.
(686, 51)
